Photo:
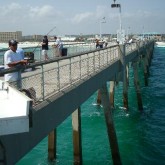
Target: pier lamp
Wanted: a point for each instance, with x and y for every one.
(101, 21)
(120, 32)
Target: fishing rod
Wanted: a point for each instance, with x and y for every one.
(47, 35)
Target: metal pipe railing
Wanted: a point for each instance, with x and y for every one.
(56, 75)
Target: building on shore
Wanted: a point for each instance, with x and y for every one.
(32, 38)
(6, 36)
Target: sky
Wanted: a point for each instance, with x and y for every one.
(81, 17)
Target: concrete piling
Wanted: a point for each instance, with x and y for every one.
(137, 86)
(112, 92)
(110, 126)
(76, 125)
(98, 97)
(124, 72)
(52, 145)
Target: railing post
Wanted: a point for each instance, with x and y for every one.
(58, 76)
(87, 64)
(19, 82)
(99, 59)
(94, 62)
(80, 66)
(42, 84)
(107, 55)
(70, 71)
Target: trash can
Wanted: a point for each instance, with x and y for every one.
(64, 51)
(29, 56)
(2, 67)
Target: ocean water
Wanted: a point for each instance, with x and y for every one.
(141, 136)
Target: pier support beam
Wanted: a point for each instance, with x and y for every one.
(146, 70)
(149, 55)
(52, 145)
(125, 83)
(2, 154)
(77, 143)
(127, 71)
(137, 86)
(98, 97)
(110, 126)
(112, 92)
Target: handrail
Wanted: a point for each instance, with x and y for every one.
(55, 75)
(72, 48)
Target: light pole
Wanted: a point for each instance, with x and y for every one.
(101, 21)
(120, 32)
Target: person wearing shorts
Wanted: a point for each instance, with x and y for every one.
(45, 48)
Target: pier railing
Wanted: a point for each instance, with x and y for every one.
(55, 75)
(71, 50)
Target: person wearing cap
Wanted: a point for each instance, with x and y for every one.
(12, 59)
(45, 47)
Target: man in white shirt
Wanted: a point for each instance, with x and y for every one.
(58, 45)
(12, 59)
(21, 52)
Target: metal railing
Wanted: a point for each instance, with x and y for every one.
(53, 76)
(71, 50)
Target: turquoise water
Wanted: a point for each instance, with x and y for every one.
(141, 136)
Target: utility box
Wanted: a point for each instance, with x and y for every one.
(64, 51)
(14, 110)
(29, 56)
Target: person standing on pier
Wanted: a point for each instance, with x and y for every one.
(45, 47)
(58, 45)
(97, 44)
(12, 59)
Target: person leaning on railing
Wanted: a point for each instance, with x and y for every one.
(58, 46)
(12, 59)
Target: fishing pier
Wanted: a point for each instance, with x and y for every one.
(58, 87)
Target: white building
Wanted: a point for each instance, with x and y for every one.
(6, 36)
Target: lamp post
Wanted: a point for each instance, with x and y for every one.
(120, 32)
(101, 21)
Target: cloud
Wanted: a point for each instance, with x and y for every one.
(78, 18)
(11, 12)
(101, 11)
(41, 12)
(13, 8)
(139, 14)
(26, 18)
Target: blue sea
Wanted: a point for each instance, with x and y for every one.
(141, 135)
